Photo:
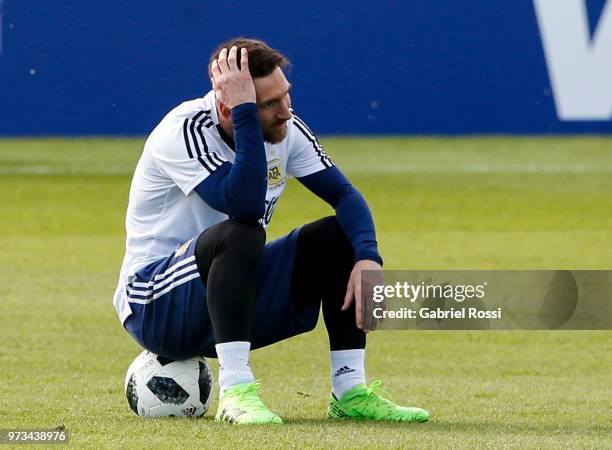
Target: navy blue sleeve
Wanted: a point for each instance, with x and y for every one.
(352, 211)
(239, 189)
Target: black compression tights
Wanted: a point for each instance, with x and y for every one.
(321, 269)
(228, 257)
(232, 251)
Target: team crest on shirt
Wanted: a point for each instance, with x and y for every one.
(276, 174)
(182, 249)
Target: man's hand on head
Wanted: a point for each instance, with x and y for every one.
(233, 86)
(353, 289)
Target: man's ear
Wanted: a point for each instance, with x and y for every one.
(224, 110)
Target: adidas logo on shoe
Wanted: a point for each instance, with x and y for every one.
(343, 370)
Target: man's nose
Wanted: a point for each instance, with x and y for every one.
(285, 111)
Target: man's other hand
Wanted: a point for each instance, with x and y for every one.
(353, 290)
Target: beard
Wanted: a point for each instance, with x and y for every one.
(274, 135)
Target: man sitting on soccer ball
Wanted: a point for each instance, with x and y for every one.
(198, 278)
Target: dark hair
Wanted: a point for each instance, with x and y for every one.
(263, 60)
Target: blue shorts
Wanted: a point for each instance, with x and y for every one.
(169, 312)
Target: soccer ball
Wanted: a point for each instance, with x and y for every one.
(156, 386)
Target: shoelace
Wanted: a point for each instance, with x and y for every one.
(249, 394)
(375, 388)
(373, 399)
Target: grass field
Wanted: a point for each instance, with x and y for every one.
(438, 203)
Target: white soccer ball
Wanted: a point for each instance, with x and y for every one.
(156, 386)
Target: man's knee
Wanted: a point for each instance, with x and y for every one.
(323, 254)
(323, 242)
(331, 227)
(329, 231)
(243, 240)
(248, 236)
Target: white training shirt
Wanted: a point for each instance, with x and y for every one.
(164, 211)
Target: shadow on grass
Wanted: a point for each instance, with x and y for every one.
(443, 426)
(436, 426)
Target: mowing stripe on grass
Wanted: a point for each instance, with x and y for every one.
(395, 167)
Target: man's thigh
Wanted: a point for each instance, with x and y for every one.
(170, 316)
(167, 298)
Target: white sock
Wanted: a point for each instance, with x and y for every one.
(347, 370)
(233, 364)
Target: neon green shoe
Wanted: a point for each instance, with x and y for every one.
(366, 403)
(241, 404)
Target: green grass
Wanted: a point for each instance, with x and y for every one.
(438, 203)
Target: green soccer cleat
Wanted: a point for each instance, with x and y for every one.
(240, 404)
(366, 403)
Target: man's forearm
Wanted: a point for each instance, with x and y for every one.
(239, 189)
(356, 221)
(352, 211)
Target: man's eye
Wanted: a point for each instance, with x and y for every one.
(270, 103)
